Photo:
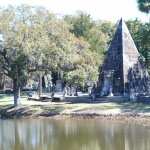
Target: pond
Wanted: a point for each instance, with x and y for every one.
(72, 134)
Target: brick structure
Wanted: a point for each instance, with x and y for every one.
(123, 71)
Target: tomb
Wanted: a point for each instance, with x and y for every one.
(123, 72)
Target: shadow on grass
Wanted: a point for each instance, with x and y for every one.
(88, 100)
(135, 107)
(124, 106)
(2, 96)
(48, 110)
(6, 107)
(10, 112)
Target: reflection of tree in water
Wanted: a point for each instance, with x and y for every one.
(72, 135)
(137, 138)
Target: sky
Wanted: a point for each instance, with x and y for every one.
(98, 9)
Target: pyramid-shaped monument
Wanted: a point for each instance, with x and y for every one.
(123, 70)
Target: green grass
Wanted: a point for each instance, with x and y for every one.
(8, 99)
(50, 108)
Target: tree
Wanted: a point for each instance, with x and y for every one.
(12, 58)
(22, 44)
(99, 37)
(141, 35)
(84, 63)
(2, 80)
(144, 6)
(35, 42)
(80, 24)
(145, 44)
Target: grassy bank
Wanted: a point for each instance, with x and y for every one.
(49, 109)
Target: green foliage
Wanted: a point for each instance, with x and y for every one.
(80, 64)
(144, 6)
(97, 35)
(81, 24)
(36, 41)
(141, 35)
(12, 57)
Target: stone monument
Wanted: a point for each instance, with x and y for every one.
(123, 71)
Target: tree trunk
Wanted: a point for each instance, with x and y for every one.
(40, 85)
(16, 90)
(2, 81)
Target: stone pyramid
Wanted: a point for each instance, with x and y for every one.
(123, 70)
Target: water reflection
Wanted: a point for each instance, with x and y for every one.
(48, 134)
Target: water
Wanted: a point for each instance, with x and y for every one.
(46, 134)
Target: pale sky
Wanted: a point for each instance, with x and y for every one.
(98, 9)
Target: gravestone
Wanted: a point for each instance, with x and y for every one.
(59, 86)
(126, 66)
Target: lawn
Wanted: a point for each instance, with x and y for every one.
(38, 108)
